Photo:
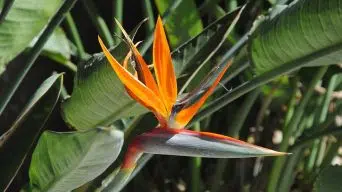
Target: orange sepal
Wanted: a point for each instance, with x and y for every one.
(145, 95)
(163, 67)
(147, 77)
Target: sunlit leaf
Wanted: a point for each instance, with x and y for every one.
(24, 21)
(65, 161)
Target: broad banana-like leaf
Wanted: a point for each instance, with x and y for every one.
(307, 33)
(99, 98)
(179, 32)
(65, 161)
(24, 21)
(20, 138)
(182, 142)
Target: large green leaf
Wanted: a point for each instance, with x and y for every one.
(329, 180)
(307, 32)
(24, 21)
(65, 161)
(183, 23)
(19, 139)
(98, 97)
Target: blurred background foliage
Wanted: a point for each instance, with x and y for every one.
(273, 100)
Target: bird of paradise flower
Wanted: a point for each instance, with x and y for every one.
(173, 114)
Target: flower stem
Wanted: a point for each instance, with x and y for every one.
(75, 36)
(279, 162)
(196, 167)
(148, 11)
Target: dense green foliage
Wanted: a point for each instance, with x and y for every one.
(66, 119)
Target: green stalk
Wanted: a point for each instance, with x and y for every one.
(233, 131)
(330, 154)
(118, 14)
(289, 173)
(324, 114)
(5, 9)
(265, 105)
(316, 119)
(75, 36)
(308, 140)
(148, 12)
(35, 51)
(98, 21)
(279, 162)
(196, 168)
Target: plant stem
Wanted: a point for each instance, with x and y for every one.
(148, 11)
(98, 21)
(233, 131)
(118, 14)
(5, 9)
(322, 131)
(36, 50)
(75, 36)
(324, 114)
(196, 167)
(279, 162)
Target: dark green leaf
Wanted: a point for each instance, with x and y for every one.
(183, 23)
(24, 21)
(329, 180)
(65, 161)
(19, 139)
(197, 50)
(306, 32)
